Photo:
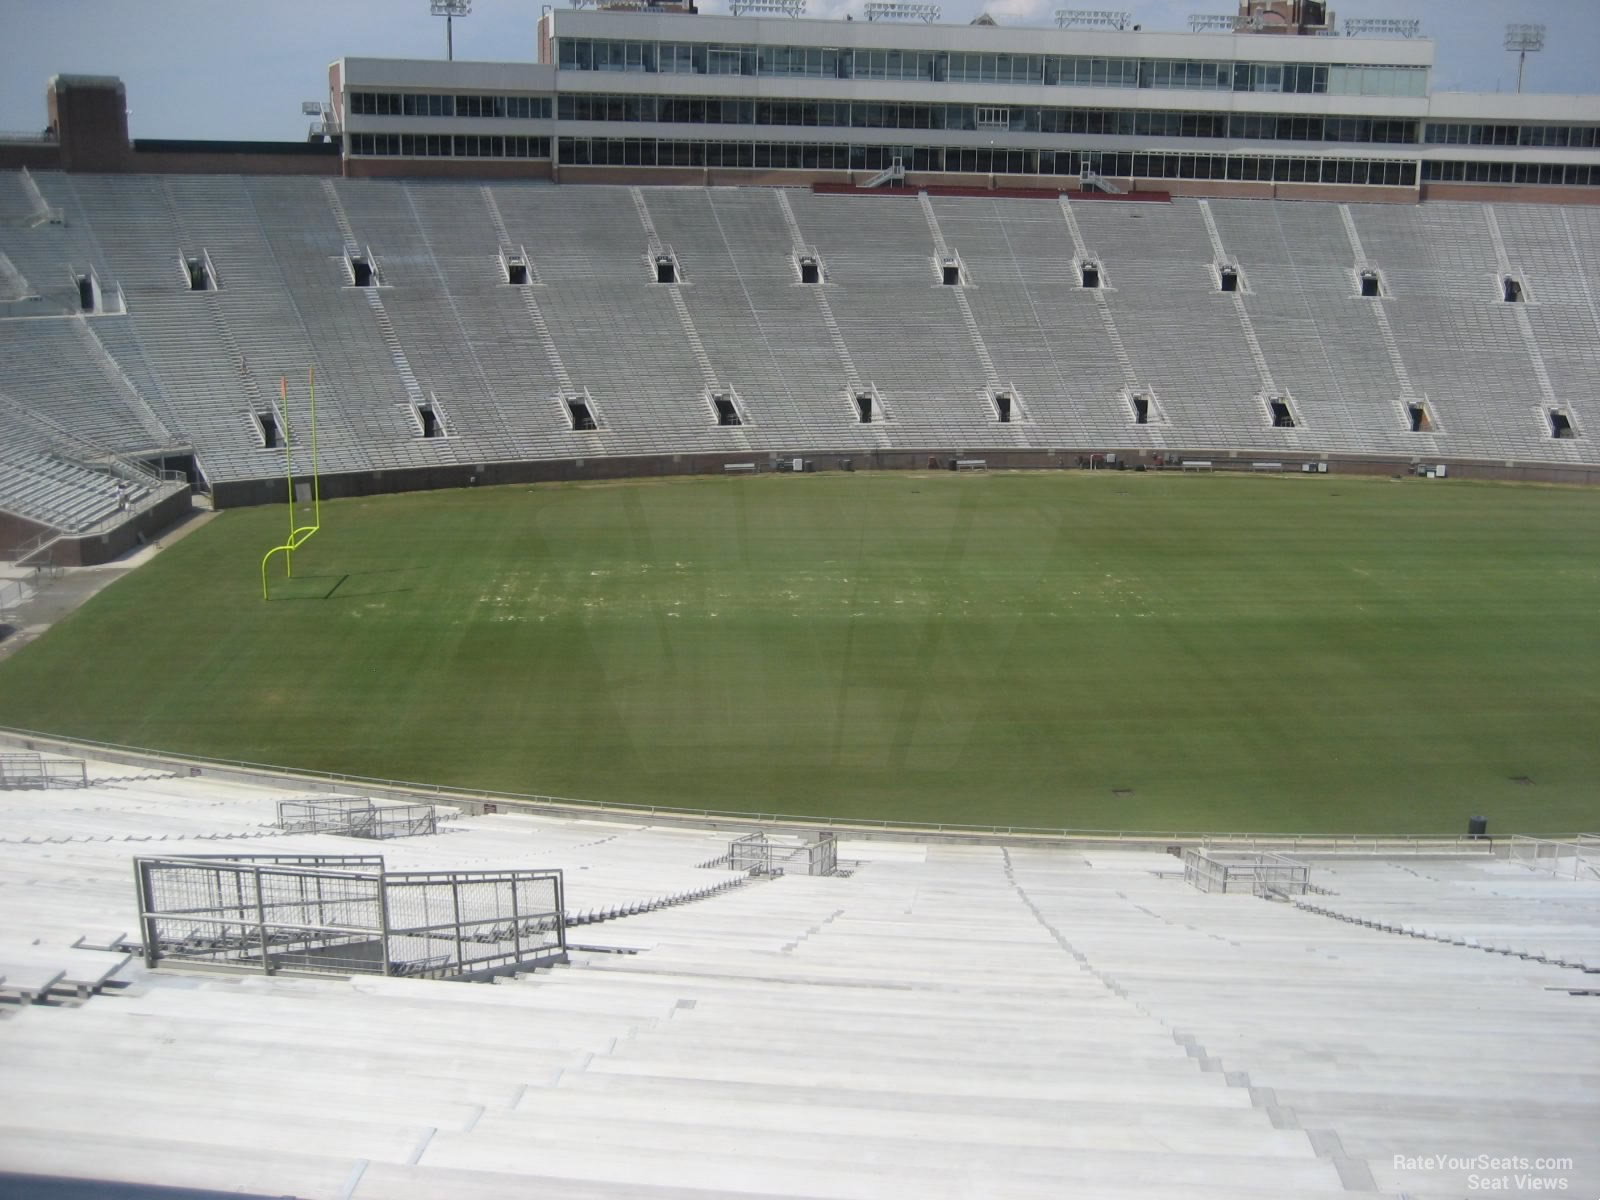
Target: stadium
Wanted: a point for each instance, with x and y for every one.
(903, 620)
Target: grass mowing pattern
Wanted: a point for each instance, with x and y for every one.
(1315, 654)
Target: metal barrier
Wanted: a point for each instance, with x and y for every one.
(34, 772)
(279, 775)
(1351, 844)
(780, 854)
(1575, 859)
(1255, 873)
(356, 816)
(345, 914)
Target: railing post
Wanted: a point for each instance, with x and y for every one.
(383, 922)
(147, 920)
(561, 911)
(516, 920)
(455, 903)
(261, 925)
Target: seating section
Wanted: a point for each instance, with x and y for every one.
(1493, 906)
(950, 1019)
(66, 376)
(496, 364)
(1380, 1046)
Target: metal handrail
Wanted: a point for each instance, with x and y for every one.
(373, 784)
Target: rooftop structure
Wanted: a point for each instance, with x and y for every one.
(642, 96)
(1261, 103)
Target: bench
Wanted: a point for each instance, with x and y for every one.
(1266, 466)
(31, 973)
(740, 468)
(972, 464)
(27, 982)
(1196, 464)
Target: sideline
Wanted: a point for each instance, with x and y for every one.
(474, 802)
(56, 599)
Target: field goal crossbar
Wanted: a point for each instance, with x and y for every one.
(299, 535)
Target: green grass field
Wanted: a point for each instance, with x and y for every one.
(1095, 651)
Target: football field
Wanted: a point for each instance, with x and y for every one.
(1098, 651)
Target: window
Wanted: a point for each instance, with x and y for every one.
(432, 104)
(408, 145)
(723, 60)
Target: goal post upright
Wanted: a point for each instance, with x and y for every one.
(288, 471)
(298, 534)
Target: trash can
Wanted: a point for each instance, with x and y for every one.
(1477, 827)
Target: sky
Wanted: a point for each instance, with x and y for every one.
(239, 69)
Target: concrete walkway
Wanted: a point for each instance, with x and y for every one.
(48, 598)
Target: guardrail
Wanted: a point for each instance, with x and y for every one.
(1354, 843)
(1577, 857)
(408, 789)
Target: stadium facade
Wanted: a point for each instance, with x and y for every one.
(660, 94)
(664, 96)
(485, 327)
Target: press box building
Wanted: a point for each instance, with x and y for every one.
(652, 94)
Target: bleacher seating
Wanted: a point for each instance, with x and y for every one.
(446, 329)
(957, 1019)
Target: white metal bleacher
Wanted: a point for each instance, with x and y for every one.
(956, 1019)
(446, 328)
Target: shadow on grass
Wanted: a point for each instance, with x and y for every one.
(348, 586)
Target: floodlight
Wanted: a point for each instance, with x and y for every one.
(449, 10)
(1524, 37)
(1382, 26)
(1525, 40)
(781, 8)
(901, 10)
(1092, 18)
(1216, 22)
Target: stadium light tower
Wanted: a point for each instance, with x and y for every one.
(1524, 39)
(450, 10)
(1093, 18)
